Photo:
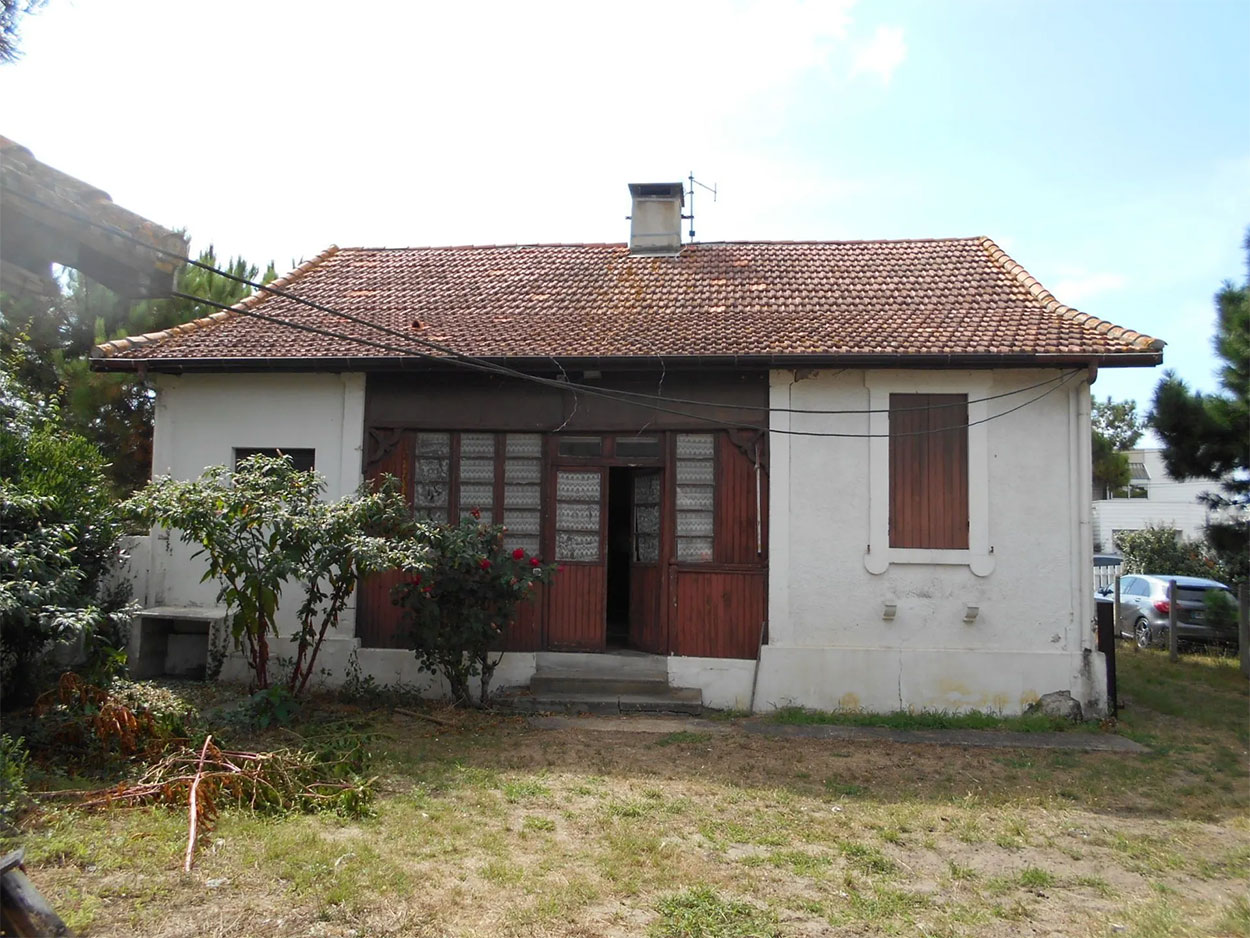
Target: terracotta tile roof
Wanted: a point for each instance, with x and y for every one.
(956, 297)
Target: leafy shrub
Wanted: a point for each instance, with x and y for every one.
(264, 526)
(59, 527)
(1161, 550)
(1220, 609)
(464, 600)
(13, 759)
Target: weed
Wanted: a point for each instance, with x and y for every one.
(700, 913)
(1032, 877)
(924, 720)
(13, 759)
(684, 737)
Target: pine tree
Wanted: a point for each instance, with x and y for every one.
(47, 349)
(1207, 436)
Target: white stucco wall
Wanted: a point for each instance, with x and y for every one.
(201, 419)
(831, 571)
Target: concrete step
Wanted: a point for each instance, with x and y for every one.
(625, 665)
(578, 682)
(687, 700)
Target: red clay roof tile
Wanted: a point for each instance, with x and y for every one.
(958, 297)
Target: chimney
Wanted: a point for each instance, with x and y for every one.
(655, 224)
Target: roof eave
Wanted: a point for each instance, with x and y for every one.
(635, 362)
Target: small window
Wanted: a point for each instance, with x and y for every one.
(580, 446)
(638, 447)
(302, 459)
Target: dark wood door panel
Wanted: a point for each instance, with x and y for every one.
(718, 614)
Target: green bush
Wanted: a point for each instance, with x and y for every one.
(13, 758)
(59, 527)
(264, 526)
(1161, 550)
(464, 600)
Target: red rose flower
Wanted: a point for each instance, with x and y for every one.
(426, 588)
(534, 561)
(484, 563)
(518, 554)
(476, 513)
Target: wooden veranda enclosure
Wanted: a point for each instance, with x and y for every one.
(659, 520)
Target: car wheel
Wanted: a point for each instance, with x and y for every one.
(1141, 631)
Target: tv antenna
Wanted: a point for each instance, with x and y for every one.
(690, 195)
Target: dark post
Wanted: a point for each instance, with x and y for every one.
(1243, 627)
(1173, 654)
(1115, 608)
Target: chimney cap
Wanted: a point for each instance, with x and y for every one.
(658, 190)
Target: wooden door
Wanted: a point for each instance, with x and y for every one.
(577, 596)
(646, 632)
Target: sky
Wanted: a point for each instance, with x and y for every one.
(1104, 145)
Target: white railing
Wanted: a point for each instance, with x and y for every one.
(1105, 576)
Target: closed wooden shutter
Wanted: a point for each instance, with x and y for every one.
(929, 471)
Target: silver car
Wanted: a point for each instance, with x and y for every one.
(1144, 610)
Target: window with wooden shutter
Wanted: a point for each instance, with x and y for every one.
(929, 471)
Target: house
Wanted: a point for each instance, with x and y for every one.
(1152, 498)
(815, 473)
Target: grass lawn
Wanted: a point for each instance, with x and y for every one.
(487, 826)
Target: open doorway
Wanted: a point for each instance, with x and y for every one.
(620, 554)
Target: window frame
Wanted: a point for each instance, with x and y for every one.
(879, 555)
(296, 454)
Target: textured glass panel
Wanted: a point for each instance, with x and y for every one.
(577, 517)
(523, 470)
(476, 496)
(580, 446)
(477, 446)
(647, 489)
(700, 472)
(695, 446)
(433, 444)
(584, 547)
(522, 496)
(484, 514)
(580, 486)
(430, 494)
(432, 470)
(639, 446)
(527, 542)
(695, 497)
(477, 470)
(647, 519)
(694, 523)
(648, 548)
(522, 522)
(694, 549)
(527, 445)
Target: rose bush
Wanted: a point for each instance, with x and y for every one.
(461, 604)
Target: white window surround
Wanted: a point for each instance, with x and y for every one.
(979, 556)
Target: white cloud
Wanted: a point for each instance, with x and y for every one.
(1077, 287)
(882, 54)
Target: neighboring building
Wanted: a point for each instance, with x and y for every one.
(793, 472)
(1153, 498)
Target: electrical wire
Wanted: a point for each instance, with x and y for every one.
(443, 350)
(601, 392)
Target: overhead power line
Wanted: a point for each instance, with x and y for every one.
(634, 398)
(592, 391)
